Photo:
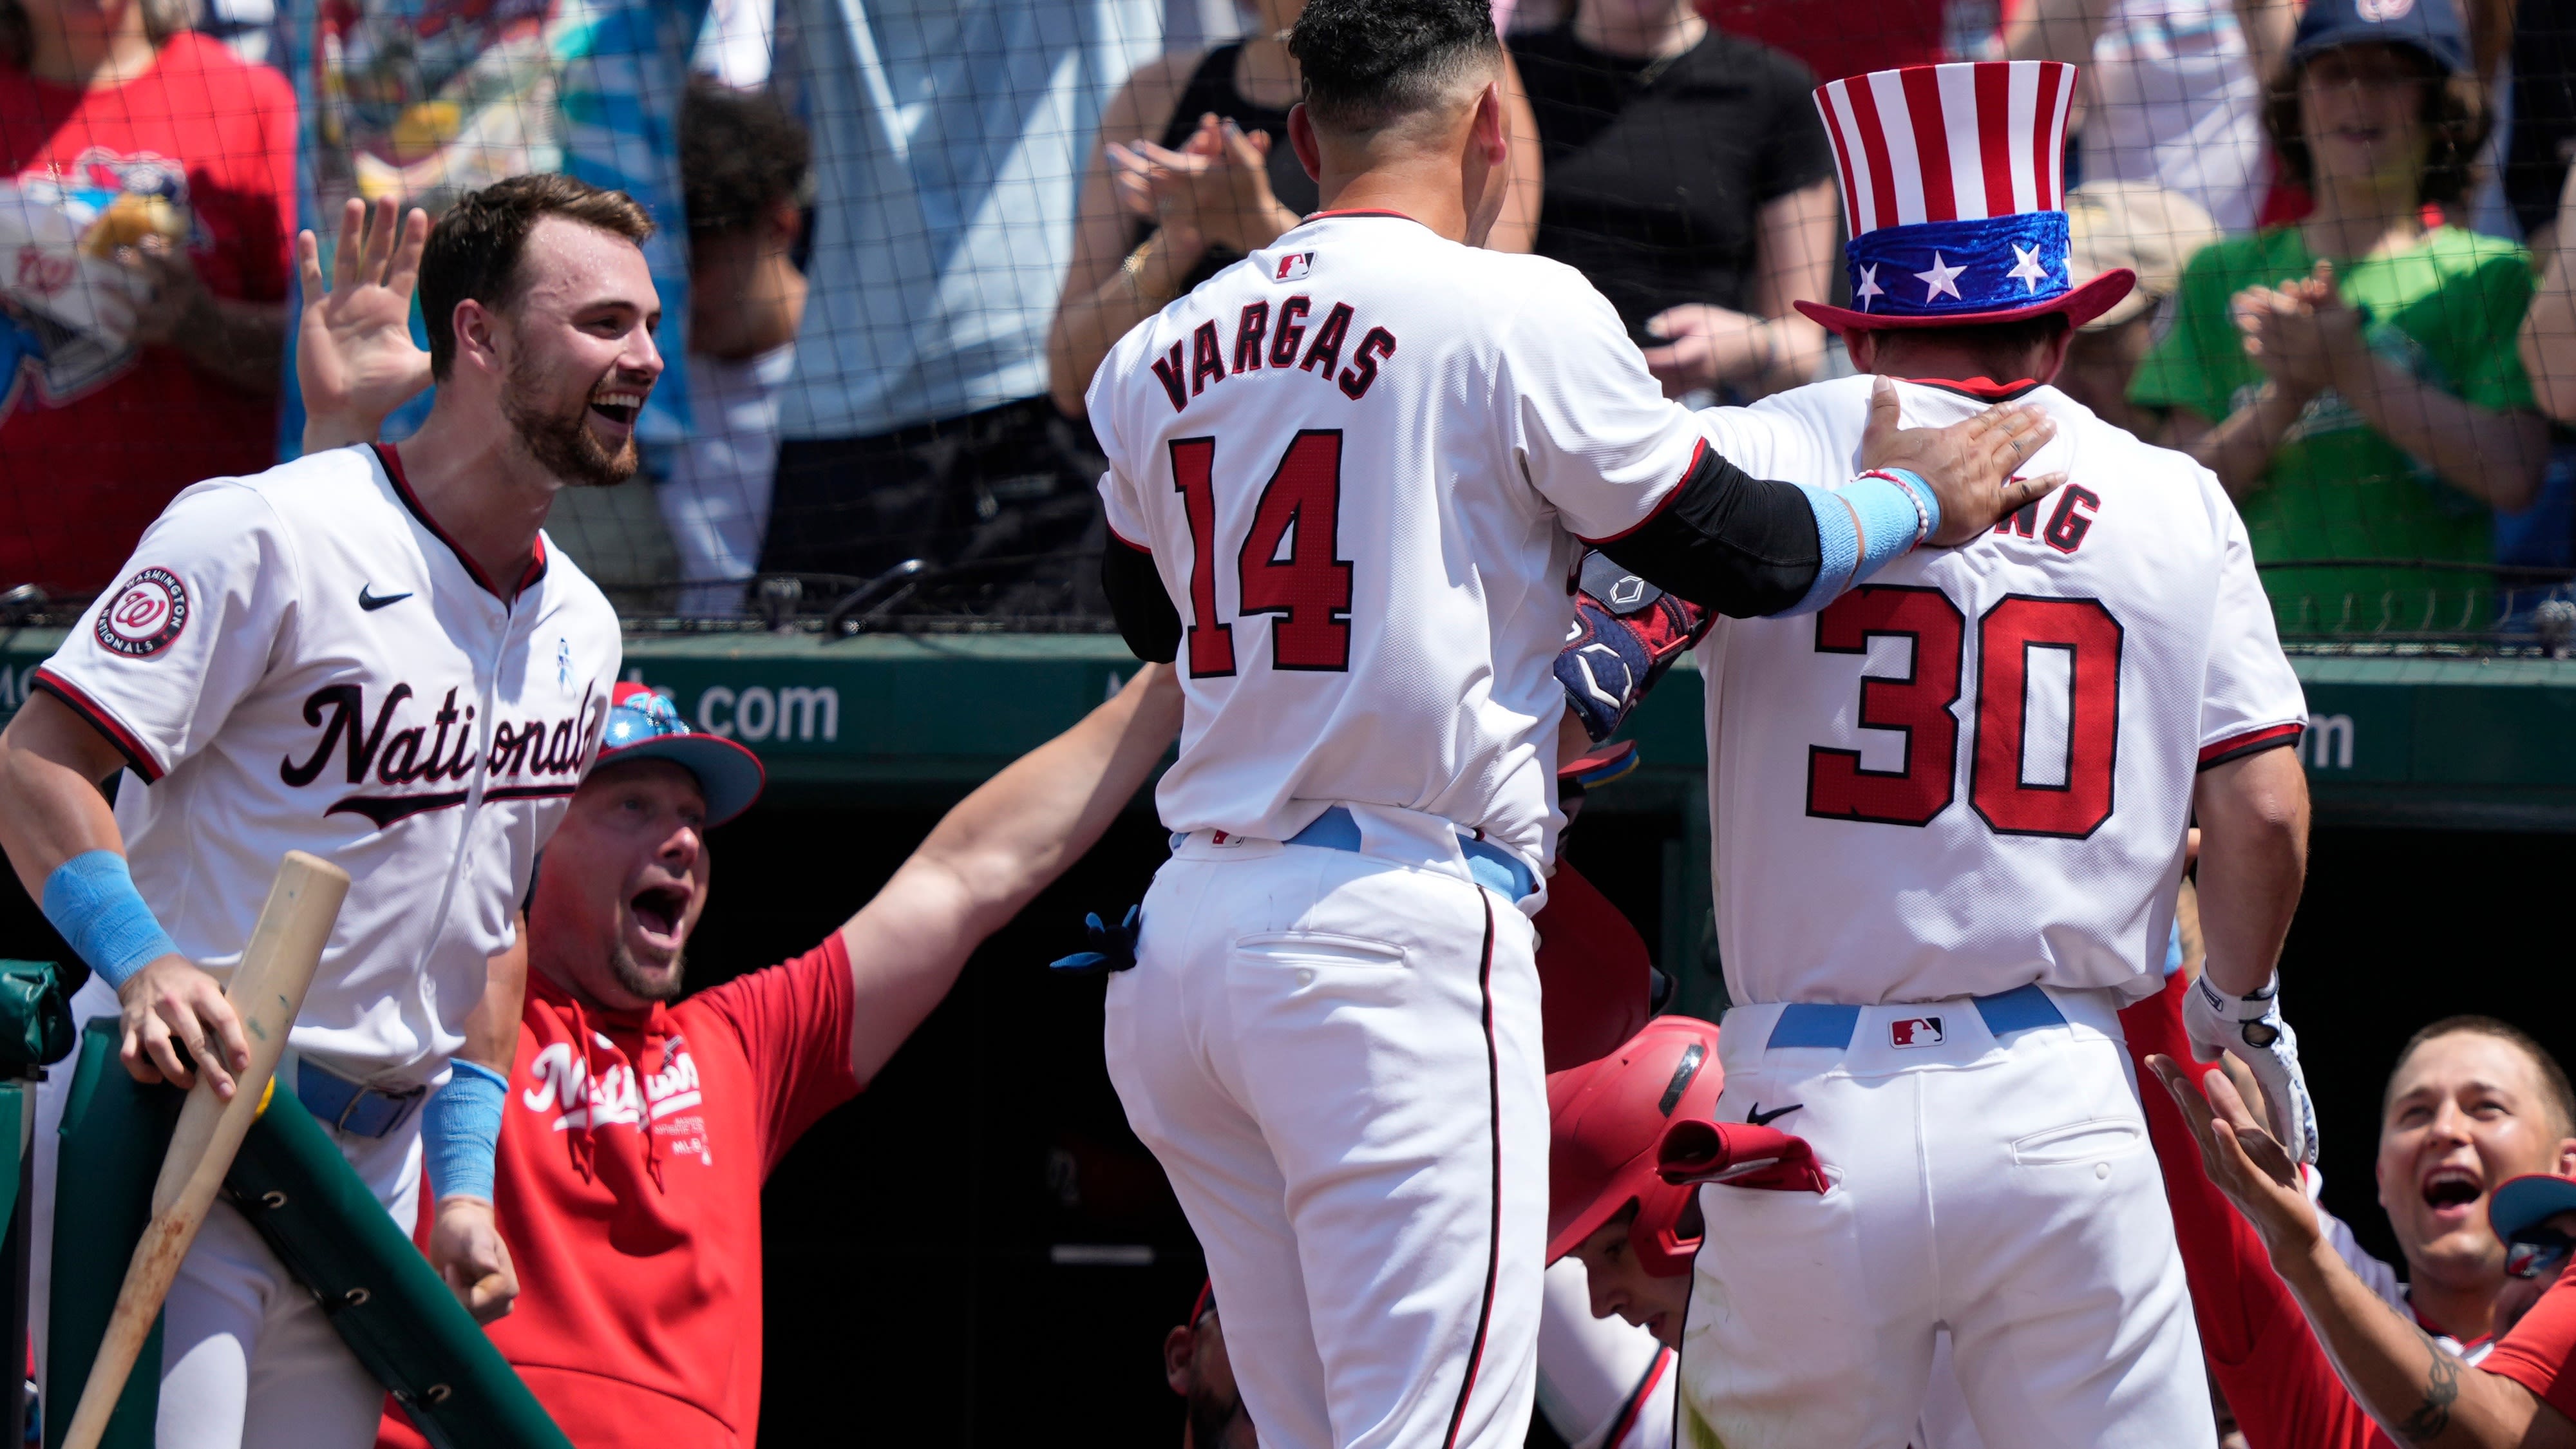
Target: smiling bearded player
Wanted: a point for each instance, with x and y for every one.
(373, 655)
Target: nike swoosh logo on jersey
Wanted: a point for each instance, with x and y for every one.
(1760, 1118)
(371, 601)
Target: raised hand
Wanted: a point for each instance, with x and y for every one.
(355, 358)
(1969, 464)
(2243, 1160)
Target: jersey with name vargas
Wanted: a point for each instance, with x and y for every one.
(301, 660)
(1975, 771)
(1357, 457)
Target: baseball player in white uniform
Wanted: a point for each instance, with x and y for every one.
(375, 655)
(1949, 818)
(1345, 479)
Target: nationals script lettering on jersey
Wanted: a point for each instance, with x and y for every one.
(302, 660)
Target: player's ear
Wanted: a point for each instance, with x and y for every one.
(1491, 128)
(474, 325)
(1301, 137)
(1179, 1348)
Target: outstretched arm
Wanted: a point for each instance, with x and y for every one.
(2423, 1396)
(2253, 814)
(992, 854)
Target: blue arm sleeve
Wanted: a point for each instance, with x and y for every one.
(1861, 528)
(91, 899)
(460, 1130)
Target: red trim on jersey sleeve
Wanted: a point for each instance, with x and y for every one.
(2252, 742)
(1699, 455)
(1131, 543)
(100, 719)
(2540, 1353)
(386, 454)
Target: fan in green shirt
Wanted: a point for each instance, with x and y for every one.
(2371, 412)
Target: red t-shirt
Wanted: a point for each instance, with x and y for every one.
(2540, 1353)
(639, 1254)
(96, 435)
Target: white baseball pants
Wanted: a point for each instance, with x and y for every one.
(2000, 1188)
(1336, 1057)
(248, 1359)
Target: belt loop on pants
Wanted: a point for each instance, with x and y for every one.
(1494, 868)
(352, 1107)
(1829, 1024)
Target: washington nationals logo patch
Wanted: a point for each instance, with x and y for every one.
(145, 616)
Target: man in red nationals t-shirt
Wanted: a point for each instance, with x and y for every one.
(639, 1126)
(2466, 1109)
(146, 192)
(2419, 1392)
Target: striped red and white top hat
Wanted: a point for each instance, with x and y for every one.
(1953, 182)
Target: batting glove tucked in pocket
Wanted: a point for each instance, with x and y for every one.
(1626, 634)
(2250, 1029)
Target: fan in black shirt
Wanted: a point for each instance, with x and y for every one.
(1689, 179)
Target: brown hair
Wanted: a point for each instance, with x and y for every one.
(2456, 120)
(2553, 1078)
(162, 20)
(474, 249)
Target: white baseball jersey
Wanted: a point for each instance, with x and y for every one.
(302, 661)
(1356, 457)
(1975, 771)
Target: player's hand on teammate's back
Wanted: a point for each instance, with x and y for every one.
(465, 1247)
(355, 359)
(2245, 1161)
(170, 1006)
(1969, 464)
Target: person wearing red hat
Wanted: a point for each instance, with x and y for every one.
(1948, 821)
(639, 1126)
(1633, 1228)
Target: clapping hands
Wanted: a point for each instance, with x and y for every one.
(2303, 334)
(1212, 192)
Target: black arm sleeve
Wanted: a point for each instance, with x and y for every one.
(1726, 540)
(1146, 618)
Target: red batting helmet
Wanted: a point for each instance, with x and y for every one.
(1606, 1118)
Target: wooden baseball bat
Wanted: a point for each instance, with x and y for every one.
(266, 991)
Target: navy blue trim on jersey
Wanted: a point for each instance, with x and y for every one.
(2253, 742)
(536, 570)
(137, 758)
(1494, 1228)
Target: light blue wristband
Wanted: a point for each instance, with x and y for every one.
(1895, 514)
(91, 899)
(1837, 549)
(460, 1130)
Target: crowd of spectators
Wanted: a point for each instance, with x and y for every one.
(914, 227)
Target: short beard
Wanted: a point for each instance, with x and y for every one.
(1211, 1416)
(644, 985)
(563, 446)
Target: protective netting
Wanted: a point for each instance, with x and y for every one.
(898, 235)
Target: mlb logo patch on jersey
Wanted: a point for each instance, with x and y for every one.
(1915, 1031)
(1293, 266)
